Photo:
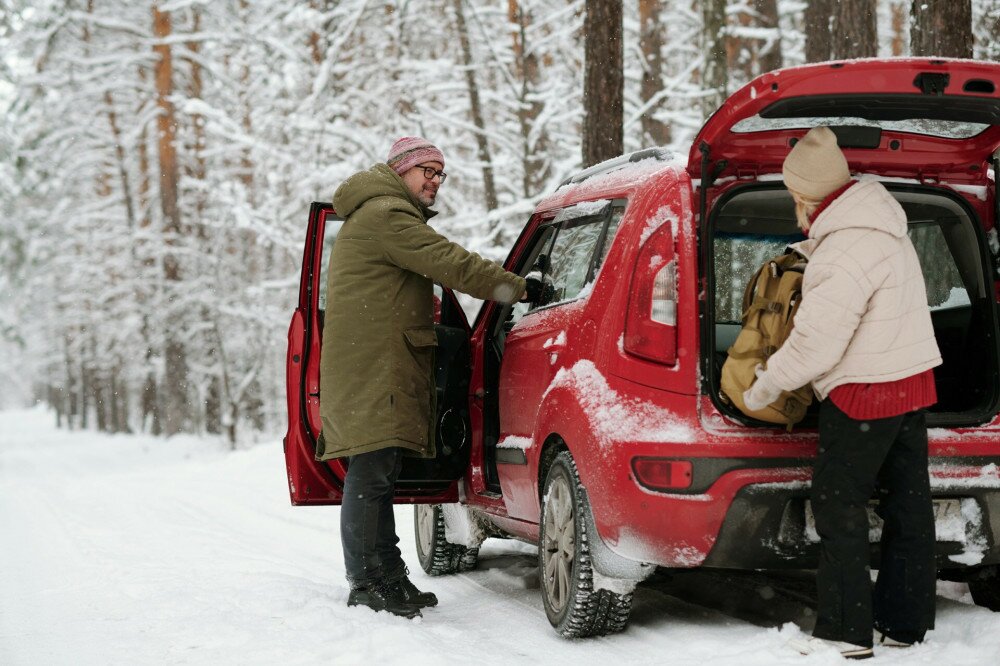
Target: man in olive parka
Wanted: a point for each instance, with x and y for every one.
(377, 395)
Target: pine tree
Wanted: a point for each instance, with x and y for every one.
(942, 28)
(604, 82)
(854, 29)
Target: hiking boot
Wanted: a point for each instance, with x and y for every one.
(414, 596)
(885, 640)
(382, 597)
(809, 645)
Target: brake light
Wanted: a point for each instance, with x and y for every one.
(651, 320)
(659, 474)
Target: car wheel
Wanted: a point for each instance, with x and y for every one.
(574, 608)
(436, 554)
(984, 586)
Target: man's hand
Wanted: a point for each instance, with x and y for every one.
(762, 393)
(534, 290)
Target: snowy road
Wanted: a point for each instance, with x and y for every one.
(136, 550)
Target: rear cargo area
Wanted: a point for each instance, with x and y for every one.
(751, 224)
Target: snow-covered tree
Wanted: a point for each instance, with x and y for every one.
(158, 159)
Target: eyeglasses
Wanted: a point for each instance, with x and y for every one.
(430, 172)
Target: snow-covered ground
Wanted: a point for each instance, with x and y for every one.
(137, 550)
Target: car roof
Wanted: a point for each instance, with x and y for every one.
(620, 177)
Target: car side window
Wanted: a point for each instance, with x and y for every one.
(332, 228)
(536, 265)
(617, 213)
(570, 258)
(579, 250)
(567, 253)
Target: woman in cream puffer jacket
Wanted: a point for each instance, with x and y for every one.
(863, 339)
(864, 315)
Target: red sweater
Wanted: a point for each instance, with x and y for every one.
(867, 402)
(885, 399)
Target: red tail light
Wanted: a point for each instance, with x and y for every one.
(651, 321)
(659, 474)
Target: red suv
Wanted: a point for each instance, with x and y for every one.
(592, 424)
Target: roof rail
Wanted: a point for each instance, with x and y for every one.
(660, 154)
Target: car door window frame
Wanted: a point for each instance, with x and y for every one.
(613, 213)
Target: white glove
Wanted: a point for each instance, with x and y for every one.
(762, 393)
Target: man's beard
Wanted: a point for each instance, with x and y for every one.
(426, 199)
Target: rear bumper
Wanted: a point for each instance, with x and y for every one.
(767, 528)
(751, 514)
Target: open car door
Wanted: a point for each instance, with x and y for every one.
(432, 480)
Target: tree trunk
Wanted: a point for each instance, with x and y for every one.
(198, 171)
(941, 28)
(121, 159)
(533, 165)
(149, 404)
(175, 365)
(716, 75)
(482, 142)
(100, 394)
(84, 389)
(246, 161)
(143, 151)
(898, 29)
(603, 84)
(314, 40)
(68, 385)
(818, 43)
(119, 401)
(767, 17)
(651, 39)
(987, 34)
(854, 29)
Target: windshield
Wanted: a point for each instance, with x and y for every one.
(947, 129)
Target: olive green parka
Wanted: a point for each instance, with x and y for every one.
(377, 369)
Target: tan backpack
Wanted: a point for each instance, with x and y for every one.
(770, 301)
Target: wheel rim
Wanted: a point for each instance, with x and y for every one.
(425, 526)
(559, 544)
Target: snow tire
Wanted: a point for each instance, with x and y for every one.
(437, 555)
(984, 586)
(579, 610)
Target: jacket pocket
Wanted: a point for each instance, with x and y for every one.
(423, 336)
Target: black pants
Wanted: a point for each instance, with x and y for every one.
(367, 525)
(854, 458)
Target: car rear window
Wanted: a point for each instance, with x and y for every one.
(947, 129)
(757, 225)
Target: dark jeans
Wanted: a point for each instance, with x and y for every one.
(367, 525)
(854, 458)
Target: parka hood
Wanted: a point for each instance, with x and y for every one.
(867, 205)
(377, 181)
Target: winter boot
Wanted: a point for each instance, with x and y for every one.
(383, 597)
(886, 640)
(809, 645)
(414, 596)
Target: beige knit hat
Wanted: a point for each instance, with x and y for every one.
(816, 167)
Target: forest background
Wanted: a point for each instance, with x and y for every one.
(158, 157)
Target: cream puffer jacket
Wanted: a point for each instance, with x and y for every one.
(864, 316)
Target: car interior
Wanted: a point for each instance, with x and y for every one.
(753, 224)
